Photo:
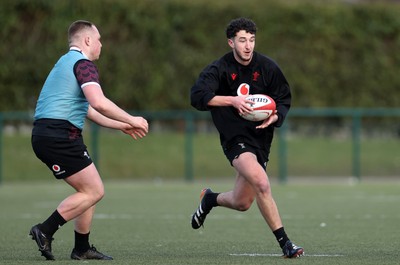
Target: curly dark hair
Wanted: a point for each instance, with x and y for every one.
(239, 24)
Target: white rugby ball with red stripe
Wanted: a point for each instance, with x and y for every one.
(263, 107)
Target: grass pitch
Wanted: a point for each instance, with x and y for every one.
(149, 223)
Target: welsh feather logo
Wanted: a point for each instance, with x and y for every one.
(255, 76)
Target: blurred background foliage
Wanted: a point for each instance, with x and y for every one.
(333, 53)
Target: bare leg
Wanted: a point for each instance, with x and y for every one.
(83, 222)
(252, 182)
(80, 205)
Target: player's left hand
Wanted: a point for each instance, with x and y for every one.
(135, 132)
(267, 122)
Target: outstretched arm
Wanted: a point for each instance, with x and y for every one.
(106, 113)
(104, 121)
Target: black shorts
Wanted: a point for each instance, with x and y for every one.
(236, 149)
(64, 157)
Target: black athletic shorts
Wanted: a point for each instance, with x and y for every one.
(63, 156)
(236, 149)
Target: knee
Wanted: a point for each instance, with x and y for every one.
(100, 194)
(263, 188)
(97, 194)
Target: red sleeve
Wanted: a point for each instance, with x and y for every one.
(86, 72)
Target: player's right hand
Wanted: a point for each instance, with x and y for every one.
(138, 127)
(242, 104)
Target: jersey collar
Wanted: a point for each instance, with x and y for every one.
(74, 48)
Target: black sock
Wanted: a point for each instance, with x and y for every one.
(211, 200)
(281, 236)
(81, 242)
(51, 225)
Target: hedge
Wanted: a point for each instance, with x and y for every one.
(334, 54)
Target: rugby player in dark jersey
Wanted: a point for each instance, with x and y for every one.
(246, 144)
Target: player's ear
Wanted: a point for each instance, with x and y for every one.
(231, 43)
(87, 40)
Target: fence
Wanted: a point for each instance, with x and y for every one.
(190, 119)
(356, 116)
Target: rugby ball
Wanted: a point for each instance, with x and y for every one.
(263, 107)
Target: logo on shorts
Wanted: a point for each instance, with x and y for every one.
(242, 145)
(56, 168)
(85, 153)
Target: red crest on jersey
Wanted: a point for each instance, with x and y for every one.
(255, 76)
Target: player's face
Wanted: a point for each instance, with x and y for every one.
(243, 46)
(95, 48)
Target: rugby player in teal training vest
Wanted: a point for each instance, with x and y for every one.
(72, 93)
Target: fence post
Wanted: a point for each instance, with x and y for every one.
(189, 146)
(94, 135)
(282, 153)
(1, 148)
(356, 131)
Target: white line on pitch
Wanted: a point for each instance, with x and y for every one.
(278, 255)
